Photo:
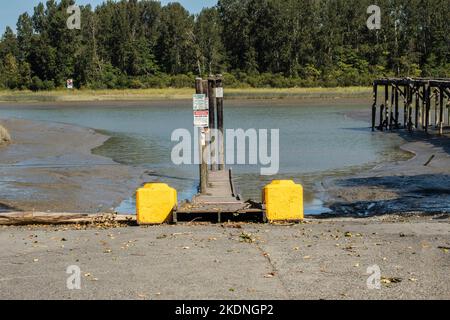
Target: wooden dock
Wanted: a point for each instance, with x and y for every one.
(218, 194)
(220, 198)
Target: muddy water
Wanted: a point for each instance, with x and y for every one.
(315, 141)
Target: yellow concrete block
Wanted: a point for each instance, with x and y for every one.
(155, 203)
(284, 201)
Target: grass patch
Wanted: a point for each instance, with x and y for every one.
(4, 135)
(299, 93)
(63, 95)
(95, 95)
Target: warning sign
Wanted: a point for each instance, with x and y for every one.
(200, 102)
(69, 83)
(201, 118)
(201, 110)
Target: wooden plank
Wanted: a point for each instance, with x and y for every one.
(218, 198)
(213, 208)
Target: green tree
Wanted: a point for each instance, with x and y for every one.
(210, 50)
(131, 43)
(24, 36)
(175, 49)
(10, 72)
(9, 45)
(237, 34)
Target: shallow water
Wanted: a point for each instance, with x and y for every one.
(315, 141)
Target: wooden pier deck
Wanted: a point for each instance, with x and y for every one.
(221, 197)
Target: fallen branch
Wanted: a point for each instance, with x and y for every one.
(27, 218)
(429, 161)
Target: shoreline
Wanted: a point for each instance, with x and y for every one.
(420, 184)
(186, 103)
(51, 171)
(183, 94)
(416, 185)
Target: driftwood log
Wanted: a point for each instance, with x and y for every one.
(28, 218)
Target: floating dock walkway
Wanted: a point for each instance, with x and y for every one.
(220, 197)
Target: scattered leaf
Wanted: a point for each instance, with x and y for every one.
(232, 226)
(246, 237)
(387, 280)
(445, 249)
(349, 249)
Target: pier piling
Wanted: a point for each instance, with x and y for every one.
(417, 95)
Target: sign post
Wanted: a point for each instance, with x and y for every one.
(219, 102)
(201, 123)
(212, 121)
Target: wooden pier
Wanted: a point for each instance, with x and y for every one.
(220, 199)
(218, 194)
(425, 104)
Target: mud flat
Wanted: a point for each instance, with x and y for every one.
(49, 167)
(418, 185)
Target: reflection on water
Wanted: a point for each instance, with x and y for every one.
(315, 141)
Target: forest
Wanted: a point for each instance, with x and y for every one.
(253, 43)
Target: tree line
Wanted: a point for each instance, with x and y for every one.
(256, 43)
